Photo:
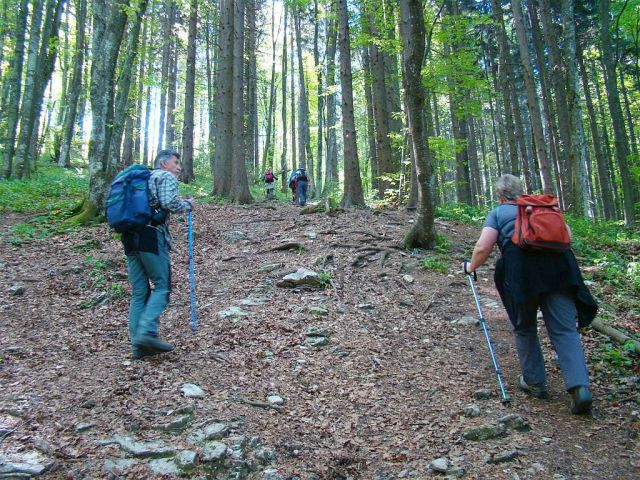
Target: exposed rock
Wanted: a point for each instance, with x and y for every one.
(213, 452)
(439, 465)
(177, 425)
(408, 278)
(365, 306)
(318, 311)
(485, 432)
(302, 276)
(165, 467)
(266, 455)
(316, 332)
(117, 466)
(182, 410)
(271, 474)
(483, 394)
(515, 422)
(466, 321)
(83, 427)
(213, 431)
(17, 290)
(154, 448)
(316, 341)
(311, 234)
(454, 472)
(90, 403)
(22, 465)
(186, 459)
(253, 301)
(233, 236)
(270, 267)
(233, 313)
(503, 457)
(472, 410)
(192, 390)
(275, 400)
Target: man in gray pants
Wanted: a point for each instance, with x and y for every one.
(527, 281)
(147, 250)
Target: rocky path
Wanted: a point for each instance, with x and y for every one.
(371, 368)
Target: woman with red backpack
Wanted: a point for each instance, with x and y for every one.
(269, 179)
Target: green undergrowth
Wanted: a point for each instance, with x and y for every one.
(461, 213)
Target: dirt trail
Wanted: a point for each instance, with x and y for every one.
(384, 398)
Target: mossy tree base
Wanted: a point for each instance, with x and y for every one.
(85, 213)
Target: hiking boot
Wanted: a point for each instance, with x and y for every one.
(142, 352)
(580, 399)
(538, 390)
(153, 343)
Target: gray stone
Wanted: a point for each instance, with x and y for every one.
(271, 474)
(454, 472)
(302, 276)
(186, 459)
(234, 313)
(485, 432)
(266, 455)
(316, 332)
(316, 341)
(472, 410)
(117, 466)
(253, 301)
(20, 464)
(515, 422)
(311, 234)
(365, 306)
(270, 267)
(233, 236)
(439, 465)
(165, 467)
(176, 425)
(408, 278)
(275, 400)
(154, 448)
(83, 427)
(213, 452)
(17, 290)
(90, 403)
(503, 457)
(318, 311)
(192, 390)
(482, 394)
(182, 410)
(213, 431)
(466, 321)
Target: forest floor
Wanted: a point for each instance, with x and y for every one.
(398, 385)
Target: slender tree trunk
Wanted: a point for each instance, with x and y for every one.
(189, 95)
(251, 155)
(627, 111)
(371, 134)
(167, 38)
(76, 86)
(613, 97)
(331, 165)
(283, 157)
(210, 92)
(352, 185)
(304, 147)
(532, 97)
(320, 109)
(267, 156)
(172, 95)
(422, 234)
(141, 74)
(294, 150)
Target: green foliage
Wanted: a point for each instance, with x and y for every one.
(461, 213)
(325, 279)
(51, 189)
(443, 244)
(431, 263)
(615, 359)
(35, 228)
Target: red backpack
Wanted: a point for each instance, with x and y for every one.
(540, 225)
(268, 177)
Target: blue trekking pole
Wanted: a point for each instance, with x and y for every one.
(473, 278)
(192, 280)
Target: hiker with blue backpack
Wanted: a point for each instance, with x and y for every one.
(537, 269)
(139, 205)
(298, 184)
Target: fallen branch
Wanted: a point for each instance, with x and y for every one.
(258, 403)
(614, 333)
(288, 246)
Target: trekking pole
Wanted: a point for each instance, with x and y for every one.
(473, 278)
(192, 280)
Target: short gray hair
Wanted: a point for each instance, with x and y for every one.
(509, 187)
(163, 156)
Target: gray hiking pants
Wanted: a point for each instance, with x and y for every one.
(559, 312)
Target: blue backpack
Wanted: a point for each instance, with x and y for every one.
(128, 201)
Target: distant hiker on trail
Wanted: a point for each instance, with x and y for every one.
(147, 251)
(269, 179)
(298, 184)
(528, 280)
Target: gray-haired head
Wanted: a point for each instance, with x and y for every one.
(164, 155)
(509, 187)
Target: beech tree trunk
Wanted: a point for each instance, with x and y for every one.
(331, 165)
(189, 94)
(353, 196)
